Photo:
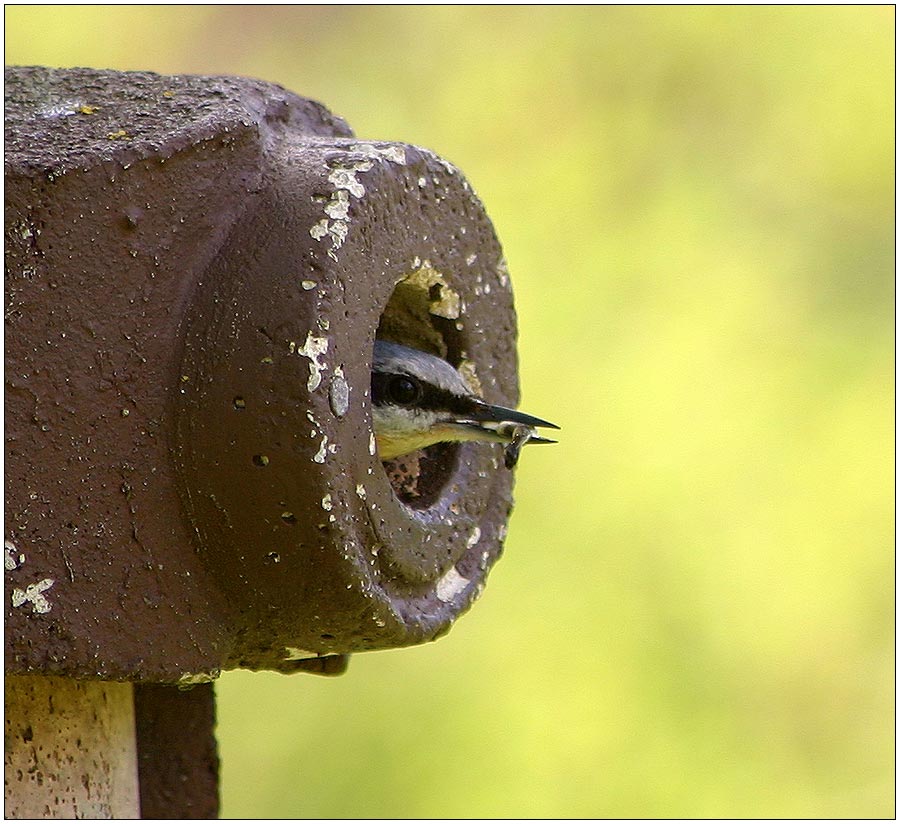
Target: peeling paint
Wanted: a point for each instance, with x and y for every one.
(198, 677)
(314, 348)
(343, 176)
(10, 559)
(336, 223)
(467, 369)
(319, 457)
(361, 491)
(394, 153)
(66, 109)
(319, 229)
(33, 594)
(447, 304)
(338, 206)
(450, 169)
(326, 503)
(338, 231)
(450, 585)
(474, 538)
(295, 654)
(503, 274)
(371, 443)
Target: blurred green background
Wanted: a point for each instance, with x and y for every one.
(694, 616)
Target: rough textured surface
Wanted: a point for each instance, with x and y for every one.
(178, 762)
(196, 270)
(69, 749)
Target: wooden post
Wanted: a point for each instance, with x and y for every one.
(70, 749)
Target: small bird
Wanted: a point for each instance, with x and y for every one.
(419, 400)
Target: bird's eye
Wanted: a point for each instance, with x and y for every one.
(403, 390)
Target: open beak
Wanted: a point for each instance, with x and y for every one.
(486, 414)
(487, 422)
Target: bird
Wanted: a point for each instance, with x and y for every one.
(419, 400)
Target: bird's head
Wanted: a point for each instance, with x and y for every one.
(419, 400)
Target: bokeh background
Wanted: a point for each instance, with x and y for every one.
(694, 616)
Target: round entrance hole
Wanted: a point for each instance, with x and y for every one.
(423, 313)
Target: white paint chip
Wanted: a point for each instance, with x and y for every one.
(314, 348)
(319, 229)
(198, 677)
(338, 206)
(447, 304)
(392, 152)
(343, 176)
(295, 654)
(33, 594)
(9, 559)
(450, 585)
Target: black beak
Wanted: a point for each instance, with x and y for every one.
(486, 413)
(507, 426)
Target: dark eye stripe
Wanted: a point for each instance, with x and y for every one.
(434, 399)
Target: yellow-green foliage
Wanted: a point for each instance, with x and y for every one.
(694, 614)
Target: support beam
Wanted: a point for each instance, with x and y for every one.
(178, 760)
(70, 749)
